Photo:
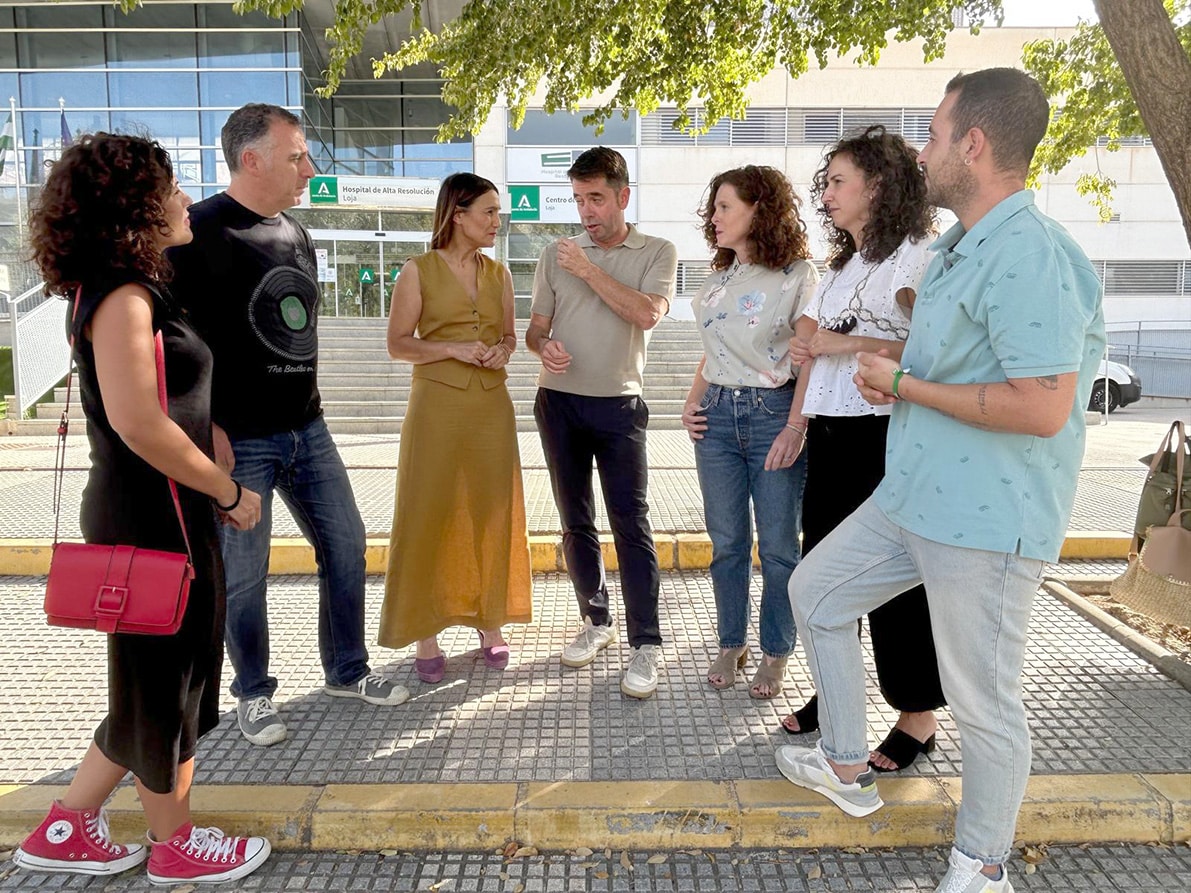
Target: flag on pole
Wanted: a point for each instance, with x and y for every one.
(67, 139)
(7, 144)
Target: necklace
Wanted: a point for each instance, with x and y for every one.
(856, 311)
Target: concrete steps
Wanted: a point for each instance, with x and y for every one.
(365, 392)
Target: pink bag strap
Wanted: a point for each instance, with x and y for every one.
(64, 427)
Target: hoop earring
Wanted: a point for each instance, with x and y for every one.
(967, 162)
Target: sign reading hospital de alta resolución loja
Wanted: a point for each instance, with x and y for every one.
(374, 192)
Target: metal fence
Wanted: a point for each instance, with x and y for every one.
(1159, 352)
(40, 354)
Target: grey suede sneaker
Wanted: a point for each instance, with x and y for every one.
(259, 721)
(372, 688)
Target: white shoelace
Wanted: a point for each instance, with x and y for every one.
(97, 828)
(211, 845)
(586, 638)
(259, 708)
(375, 678)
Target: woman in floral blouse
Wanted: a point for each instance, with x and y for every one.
(738, 411)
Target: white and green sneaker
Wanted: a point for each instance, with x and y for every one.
(808, 768)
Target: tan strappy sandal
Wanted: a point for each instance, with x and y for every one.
(771, 674)
(726, 665)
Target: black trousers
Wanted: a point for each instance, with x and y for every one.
(576, 430)
(844, 463)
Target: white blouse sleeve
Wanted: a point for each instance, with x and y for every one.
(804, 289)
(911, 265)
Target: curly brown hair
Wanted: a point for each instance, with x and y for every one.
(100, 211)
(899, 208)
(777, 234)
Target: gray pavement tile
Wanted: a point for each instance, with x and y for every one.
(676, 503)
(1137, 869)
(1094, 706)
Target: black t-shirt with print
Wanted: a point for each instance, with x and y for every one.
(249, 284)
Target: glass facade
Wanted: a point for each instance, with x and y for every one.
(175, 71)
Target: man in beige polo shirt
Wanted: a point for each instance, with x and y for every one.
(595, 298)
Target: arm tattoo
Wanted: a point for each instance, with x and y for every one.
(1050, 382)
(981, 395)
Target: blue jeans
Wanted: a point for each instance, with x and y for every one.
(742, 424)
(979, 608)
(305, 468)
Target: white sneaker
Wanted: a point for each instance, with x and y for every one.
(590, 642)
(641, 678)
(808, 768)
(964, 876)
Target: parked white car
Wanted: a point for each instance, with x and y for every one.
(1116, 385)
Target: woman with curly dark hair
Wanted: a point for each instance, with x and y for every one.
(739, 411)
(872, 200)
(109, 208)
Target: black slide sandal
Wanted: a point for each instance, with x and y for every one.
(902, 749)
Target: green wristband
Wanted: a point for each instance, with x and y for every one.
(897, 377)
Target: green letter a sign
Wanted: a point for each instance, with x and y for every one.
(526, 202)
(324, 191)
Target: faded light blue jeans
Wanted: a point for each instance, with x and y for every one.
(742, 424)
(304, 466)
(979, 606)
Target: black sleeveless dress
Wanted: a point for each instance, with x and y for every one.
(163, 691)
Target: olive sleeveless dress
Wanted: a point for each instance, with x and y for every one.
(459, 553)
(163, 691)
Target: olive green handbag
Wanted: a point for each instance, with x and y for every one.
(1167, 475)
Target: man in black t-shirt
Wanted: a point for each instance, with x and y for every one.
(249, 283)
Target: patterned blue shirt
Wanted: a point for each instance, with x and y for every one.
(1015, 297)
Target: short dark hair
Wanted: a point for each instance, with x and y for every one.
(248, 125)
(899, 206)
(1008, 106)
(100, 211)
(457, 193)
(601, 161)
(777, 232)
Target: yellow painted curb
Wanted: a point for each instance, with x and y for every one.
(676, 551)
(644, 815)
(1095, 544)
(648, 815)
(414, 817)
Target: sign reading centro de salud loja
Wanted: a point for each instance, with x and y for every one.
(374, 192)
(552, 204)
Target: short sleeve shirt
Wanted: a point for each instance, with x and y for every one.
(1014, 297)
(607, 352)
(867, 293)
(746, 316)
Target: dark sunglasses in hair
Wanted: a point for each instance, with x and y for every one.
(844, 326)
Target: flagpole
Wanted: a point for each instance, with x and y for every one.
(16, 151)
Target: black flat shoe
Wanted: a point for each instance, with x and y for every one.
(807, 717)
(902, 749)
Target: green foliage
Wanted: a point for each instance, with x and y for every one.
(630, 54)
(1091, 100)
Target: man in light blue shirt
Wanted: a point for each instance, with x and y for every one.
(985, 445)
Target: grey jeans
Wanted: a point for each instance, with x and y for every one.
(979, 606)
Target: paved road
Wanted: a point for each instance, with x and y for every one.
(1100, 869)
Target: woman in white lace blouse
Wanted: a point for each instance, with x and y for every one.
(872, 200)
